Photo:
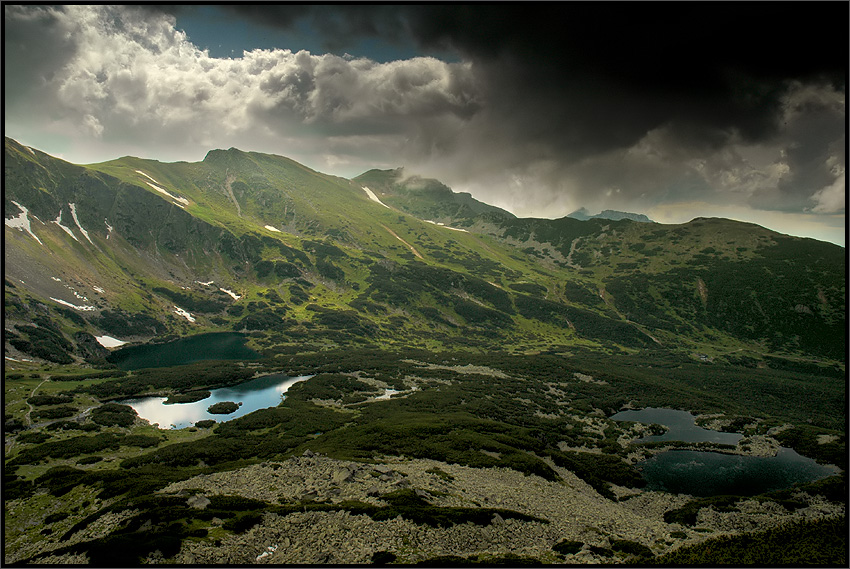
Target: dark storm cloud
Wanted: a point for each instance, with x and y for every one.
(612, 71)
(32, 63)
(576, 85)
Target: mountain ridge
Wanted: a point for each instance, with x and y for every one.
(427, 266)
(614, 215)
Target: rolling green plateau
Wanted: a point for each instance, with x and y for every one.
(463, 367)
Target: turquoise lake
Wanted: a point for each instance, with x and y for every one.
(259, 393)
(705, 473)
(201, 347)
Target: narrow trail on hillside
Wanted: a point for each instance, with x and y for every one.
(29, 420)
(393, 233)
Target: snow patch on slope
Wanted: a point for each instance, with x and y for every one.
(231, 293)
(270, 228)
(146, 176)
(373, 197)
(77, 221)
(109, 341)
(22, 222)
(162, 190)
(74, 306)
(445, 226)
(78, 295)
(180, 312)
(58, 221)
(167, 193)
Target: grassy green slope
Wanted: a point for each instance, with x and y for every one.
(314, 260)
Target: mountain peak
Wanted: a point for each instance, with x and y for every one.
(219, 153)
(582, 214)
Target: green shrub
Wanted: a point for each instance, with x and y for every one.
(114, 414)
(223, 408)
(49, 399)
(242, 522)
(72, 426)
(43, 343)
(630, 547)
(120, 323)
(75, 446)
(193, 302)
(529, 288)
(57, 517)
(806, 543)
(687, 514)
(32, 438)
(54, 413)
(383, 557)
(89, 460)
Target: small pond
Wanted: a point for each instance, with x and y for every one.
(201, 347)
(680, 426)
(705, 473)
(259, 393)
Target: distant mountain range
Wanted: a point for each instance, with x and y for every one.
(138, 249)
(583, 215)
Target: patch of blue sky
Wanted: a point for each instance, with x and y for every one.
(226, 36)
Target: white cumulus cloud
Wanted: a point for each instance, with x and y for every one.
(132, 76)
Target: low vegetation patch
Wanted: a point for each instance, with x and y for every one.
(114, 415)
(80, 445)
(60, 412)
(223, 408)
(193, 377)
(568, 547)
(49, 399)
(809, 543)
(687, 514)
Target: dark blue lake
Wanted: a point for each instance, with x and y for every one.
(201, 347)
(705, 473)
(700, 473)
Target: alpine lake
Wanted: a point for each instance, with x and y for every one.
(708, 473)
(252, 395)
(698, 473)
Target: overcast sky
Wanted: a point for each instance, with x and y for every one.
(673, 109)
